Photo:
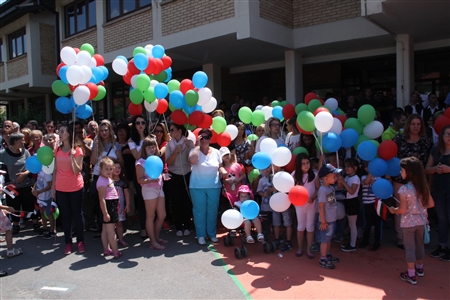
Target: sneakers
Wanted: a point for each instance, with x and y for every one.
(187, 232)
(179, 233)
(338, 239)
(438, 252)
(326, 264)
(81, 248)
(405, 277)
(201, 241)
(15, 229)
(214, 240)
(286, 247)
(42, 231)
(446, 256)
(68, 249)
(49, 235)
(315, 248)
(420, 272)
(332, 258)
(36, 228)
(348, 248)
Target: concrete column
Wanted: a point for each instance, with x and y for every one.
(157, 21)
(405, 68)
(214, 80)
(294, 76)
(100, 15)
(48, 106)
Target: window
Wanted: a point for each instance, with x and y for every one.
(2, 59)
(17, 43)
(117, 8)
(79, 16)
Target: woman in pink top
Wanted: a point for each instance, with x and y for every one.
(68, 185)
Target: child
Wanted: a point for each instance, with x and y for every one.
(327, 214)
(244, 193)
(122, 188)
(109, 204)
(234, 175)
(370, 214)
(42, 190)
(265, 190)
(6, 227)
(305, 176)
(351, 185)
(415, 199)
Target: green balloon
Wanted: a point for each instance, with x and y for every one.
(300, 107)
(361, 138)
(375, 143)
(45, 155)
(173, 85)
(101, 93)
(283, 103)
(275, 103)
(219, 124)
(306, 121)
(171, 107)
(313, 105)
(189, 126)
(55, 214)
(139, 50)
(299, 150)
(191, 97)
(253, 175)
(258, 118)
(161, 77)
(149, 95)
(245, 114)
(355, 124)
(340, 112)
(88, 47)
(60, 88)
(366, 114)
(136, 96)
(252, 137)
(142, 82)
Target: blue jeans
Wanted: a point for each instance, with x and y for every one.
(205, 209)
(71, 208)
(442, 207)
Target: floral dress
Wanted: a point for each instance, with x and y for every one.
(241, 150)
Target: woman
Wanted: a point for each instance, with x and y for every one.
(162, 138)
(307, 141)
(26, 132)
(205, 186)
(36, 139)
(259, 133)
(271, 130)
(293, 137)
(51, 128)
(67, 186)
(241, 144)
(439, 165)
(123, 136)
(412, 142)
(177, 153)
(14, 158)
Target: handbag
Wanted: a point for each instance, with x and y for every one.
(426, 232)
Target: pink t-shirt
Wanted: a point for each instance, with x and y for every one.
(141, 162)
(110, 192)
(66, 180)
(412, 216)
(233, 171)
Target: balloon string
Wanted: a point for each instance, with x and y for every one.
(337, 159)
(317, 140)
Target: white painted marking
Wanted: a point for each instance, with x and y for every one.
(54, 288)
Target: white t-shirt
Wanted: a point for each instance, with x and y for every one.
(350, 180)
(292, 141)
(111, 153)
(133, 145)
(279, 141)
(42, 182)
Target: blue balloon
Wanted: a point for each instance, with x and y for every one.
(98, 74)
(64, 105)
(153, 166)
(283, 145)
(33, 164)
(158, 51)
(83, 111)
(169, 76)
(104, 71)
(261, 160)
(199, 79)
(141, 61)
(123, 58)
(94, 79)
(393, 166)
(161, 90)
(331, 142)
(378, 167)
(277, 112)
(382, 188)
(189, 109)
(250, 209)
(176, 98)
(63, 74)
(349, 137)
(367, 150)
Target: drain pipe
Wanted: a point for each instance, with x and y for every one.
(57, 37)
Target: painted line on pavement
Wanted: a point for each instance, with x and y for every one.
(54, 288)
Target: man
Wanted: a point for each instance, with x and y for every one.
(432, 108)
(414, 105)
(398, 122)
(7, 125)
(368, 98)
(93, 129)
(32, 125)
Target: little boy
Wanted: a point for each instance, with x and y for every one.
(42, 190)
(327, 214)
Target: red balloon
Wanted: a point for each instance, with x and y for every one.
(93, 88)
(440, 123)
(196, 118)
(100, 61)
(341, 118)
(178, 117)
(159, 67)
(298, 195)
(290, 167)
(132, 68)
(150, 67)
(76, 50)
(214, 137)
(288, 111)
(59, 67)
(135, 109)
(447, 112)
(301, 130)
(72, 87)
(387, 150)
(196, 131)
(167, 62)
(102, 83)
(319, 109)
(186, 85)
(207, 122)
(223, 139)
(127, 78)
(310, 96)
(162, 106)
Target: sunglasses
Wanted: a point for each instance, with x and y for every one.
(140, 122)
(204, 137)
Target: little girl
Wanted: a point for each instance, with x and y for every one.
(306, 214)
(415, 198)
(109, 205)
(6, 227)
(153, 194)
(244, 194)
(234, 175)
(122, 188)
(351, 184)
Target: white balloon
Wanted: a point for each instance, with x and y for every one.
(93, 63)
(283, 181)
(120, 66)
(153, 83)
(49, 169)
(81, 95)
(148, 48)
(210, 106)
(279, 202)
(133, 81)
(337, 126)
(268, 146)
(373, 130)
(83, 58)
(74, 74)
(232, 131)
(281, 156)
(232, 219)
(323, 121)
(68, 55)
(87, 74)
(191, 136)
(331, 103)
(151, 107)
(204, 96)
(259, 107)
(267, 110)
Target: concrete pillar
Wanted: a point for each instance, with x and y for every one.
(405, 68)
(48, 106)
(294, 76)
(214, 80)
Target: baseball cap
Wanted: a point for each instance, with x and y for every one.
(223, 151)
(328, 169)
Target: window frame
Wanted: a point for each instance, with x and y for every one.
(2, 53)
(74, 6)
(121, 12)
(12, 38)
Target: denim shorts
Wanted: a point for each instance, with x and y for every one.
(285, 216)
(325, 236)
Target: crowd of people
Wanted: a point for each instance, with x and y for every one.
(100, 179)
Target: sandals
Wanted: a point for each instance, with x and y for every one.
(122, 242)
(250, 240)
(107, 253)
(118, 254)
(161, 241)
(13, 252)
(260, 237)
(299, 253)
(158, 247)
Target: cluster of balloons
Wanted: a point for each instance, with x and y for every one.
(43, 160)
(81, 74)
(232, 218)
